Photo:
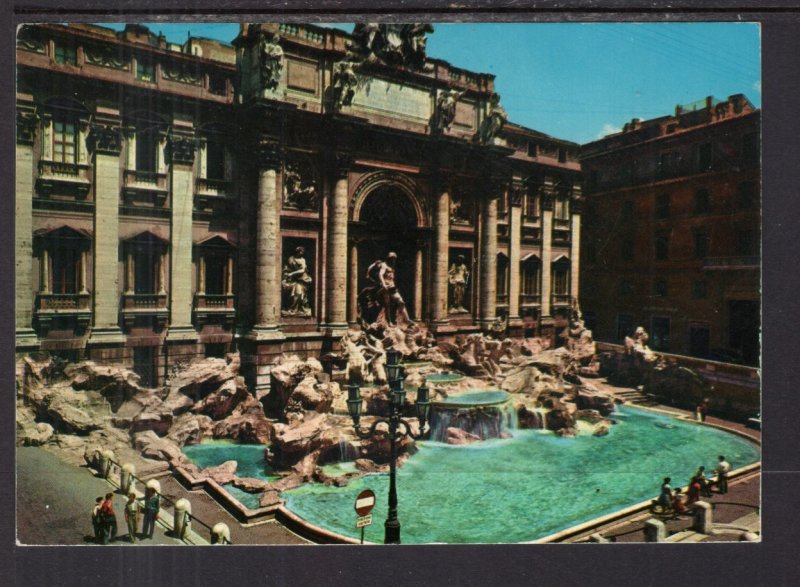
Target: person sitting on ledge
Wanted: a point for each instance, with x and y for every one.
(665, 497)
(679, 503)
(705, 485)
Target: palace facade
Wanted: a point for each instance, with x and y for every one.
(176, 201)
(672, 231)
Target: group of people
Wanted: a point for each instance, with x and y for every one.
(104, 519)
(679, 502)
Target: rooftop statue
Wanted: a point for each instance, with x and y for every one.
(393, 44)
(446, 109)
(491, 126)
(344, 85)
(271, 56)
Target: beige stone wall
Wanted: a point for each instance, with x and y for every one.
(181, 249)
(106, 241)
(23, 241)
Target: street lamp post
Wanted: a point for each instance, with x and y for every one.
(397, 428)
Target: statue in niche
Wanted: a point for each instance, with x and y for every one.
(446, 109)
(458, 277)
(345, 82)
(459, 213)
(299, 192)
(296, 281)
(380, 304)
(271, 55)
(495, 119)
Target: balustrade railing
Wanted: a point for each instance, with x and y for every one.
(64, 302)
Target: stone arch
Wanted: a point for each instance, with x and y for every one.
(389, 180)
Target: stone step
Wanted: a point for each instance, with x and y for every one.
(686, 536)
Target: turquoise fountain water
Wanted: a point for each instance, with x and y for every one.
(528, 486)
(515, 489)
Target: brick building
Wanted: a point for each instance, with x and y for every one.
(672, 231)
(165, 192)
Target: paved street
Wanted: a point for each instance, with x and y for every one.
(55, 500)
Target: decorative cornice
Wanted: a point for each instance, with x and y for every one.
(105, 139)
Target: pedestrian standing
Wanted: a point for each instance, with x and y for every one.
(700, 477)
(109, 519)
(97, 520)
(665, 497)
(723, 468)
(702, 410)
(152, 503)
(132, 516)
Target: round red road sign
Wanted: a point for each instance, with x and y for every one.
(365, 501)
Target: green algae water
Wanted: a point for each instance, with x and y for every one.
(250, 457)
(528, 486)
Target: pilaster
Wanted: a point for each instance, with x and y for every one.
(514, 255)
(547, 198)
(439, 265)
(182, 147)
(488, 274)
(27, 123)
(575, 242)
(105, 140)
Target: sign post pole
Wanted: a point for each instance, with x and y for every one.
(365, 501)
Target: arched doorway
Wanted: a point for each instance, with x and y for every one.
(387, 222)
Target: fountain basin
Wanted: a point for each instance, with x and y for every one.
(526, 487)
(479, 413)
(474, 398)
(443, 378)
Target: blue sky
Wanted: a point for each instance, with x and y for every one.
(579, 81)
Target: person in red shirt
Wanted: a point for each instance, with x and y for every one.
(109, 519)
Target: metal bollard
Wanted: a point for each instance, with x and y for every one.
(703, 517)
(126, 474)
(154, 484)
(220, 534)
(106, 456)
(181, 523)
(654, 530)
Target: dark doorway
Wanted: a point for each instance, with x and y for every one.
(388, 223)
(744, 326)
(144, 364)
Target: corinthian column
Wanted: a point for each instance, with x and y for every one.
(441, 222)
(488, 284)
(336, 292)
(268, 285)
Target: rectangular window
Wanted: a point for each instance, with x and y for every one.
(701, 244)
(662, 248)
(561, 282)
(561, 208)
(502, 276)
(662, 206)
(146, 145)
(704, 157)
(562, 155)
(502, 208)
(699, 290)
(750, 147)
(65, 54)
(65, 267)
(530, 278)
(145, 265)
(533, 150)
(666, 164)
(216, 272)
(702, 201)
(660, 288)
(64, 141)
(218, 85)
(746, 242)
(699, 337)
(626, 249)
(145, 70)
(530, 210)
(215, 160)
(660, 339)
